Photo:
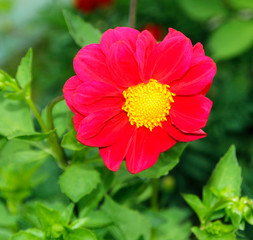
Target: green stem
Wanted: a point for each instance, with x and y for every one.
(132, 13)
(37, 114)
(61, 156)
(50, 120)
(154, 197)
(53, 139)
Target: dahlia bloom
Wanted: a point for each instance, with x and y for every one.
(135, 98)
(91, 5)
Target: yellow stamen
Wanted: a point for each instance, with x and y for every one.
(148, 104)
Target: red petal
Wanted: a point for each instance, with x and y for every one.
(143, 151)
(114, 129)
(181, 136)
(128, 35)
(144, 46)
(190, 113)
(91, 92)
(94, 122)
(90, 65)
(170, 60)
(196, 79)
(69, 89)
(77, 119)
(122, 65)
(114, 154)
(164, 141)
(79, 103)
(173, 33)
(198, 53)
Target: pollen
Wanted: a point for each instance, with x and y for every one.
(148, 104)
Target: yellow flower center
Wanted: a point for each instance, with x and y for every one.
(148, 104)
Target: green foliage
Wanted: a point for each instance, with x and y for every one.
(69, 141)
(24, 73)
(226, 178)
(30, 136)
(175, 224)
(165, 163)
(80, 234)
(241, 4)
(83, 33)
(15, 116)
(78, 181)
(231, 39)
(129, 224)
(202, 10)
(221, 198)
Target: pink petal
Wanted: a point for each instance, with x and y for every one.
(68, 90)
(94, 122)
(128, 35)
(114, 154)
(173, 33)
(170, 60)
(144, 46)
(90, 65)
(198, 53)
(165, 141)
(196, 79)
(122, 65)
(79, 102)
(190, 113)
(114, 129)
(91, 92)
(77, 119)
(181, 136)
(143, 151)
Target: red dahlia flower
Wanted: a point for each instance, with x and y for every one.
(134, 98)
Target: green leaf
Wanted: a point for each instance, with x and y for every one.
(78, 181)
(47, 216)
(131, 224)
(81, 234)
(202, 10)
(226, 178)
(7, 81)
(175, 225)
(66, 214)
(83, 33)
(241, 4)
(196, 204)
(92, 200)
(24, 73)
(166, 162)
(5, 234)
(6, 219)
(30, 136)
(69, 141)
(15, 116)
(95, 219)
(30, 234)
(231, 39)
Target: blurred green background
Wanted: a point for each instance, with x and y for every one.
(224, 27)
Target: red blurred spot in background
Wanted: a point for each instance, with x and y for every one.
(156, 30)
(91, 5)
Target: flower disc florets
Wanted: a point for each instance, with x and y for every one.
(148, 104)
